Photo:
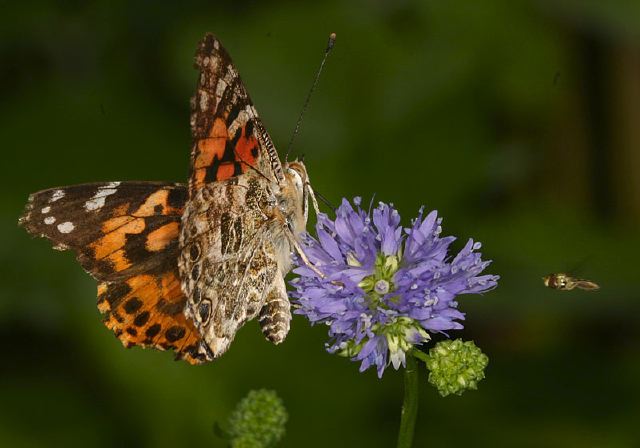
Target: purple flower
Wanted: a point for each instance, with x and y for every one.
(384, 288)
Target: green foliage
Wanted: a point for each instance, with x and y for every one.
(456, 366)
(258, 421)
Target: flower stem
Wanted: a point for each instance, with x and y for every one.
(410, 404)
(422, 356)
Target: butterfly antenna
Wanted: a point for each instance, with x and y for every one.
(325, 200)
(330, 44)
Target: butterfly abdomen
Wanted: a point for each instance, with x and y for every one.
(275, 317)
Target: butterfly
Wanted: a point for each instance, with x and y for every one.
(183, 267)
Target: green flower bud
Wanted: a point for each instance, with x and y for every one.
(391, 265)
(258, 420)
(246, 441)
(456, 366)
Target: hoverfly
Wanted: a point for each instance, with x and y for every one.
(565, 282)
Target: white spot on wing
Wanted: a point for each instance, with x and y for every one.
(66, 227)
(220, 88)
(204, 100)
(45, 210)
(98, 199)
(95, 203)
(57, 194)
(49, 220)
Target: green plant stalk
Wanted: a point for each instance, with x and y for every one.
(410, 404)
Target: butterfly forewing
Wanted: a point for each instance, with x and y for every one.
(116, 229)
(228, 136)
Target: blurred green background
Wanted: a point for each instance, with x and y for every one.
(518, 121)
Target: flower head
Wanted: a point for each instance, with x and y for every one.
(384, 288)
(456, 366)
(258, 420)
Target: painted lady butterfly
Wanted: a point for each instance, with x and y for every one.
(183, 267)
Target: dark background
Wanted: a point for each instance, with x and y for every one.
(518, 121)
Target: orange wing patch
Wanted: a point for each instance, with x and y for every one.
(111, 246)
(221, 156)
(246, 149)
(157, 204)
(212, 146)
(147, 310)
(161, 237)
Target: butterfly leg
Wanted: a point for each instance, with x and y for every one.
(310, 265)
(304, 257)
(293, 241)
(275, 315)
(314, 201)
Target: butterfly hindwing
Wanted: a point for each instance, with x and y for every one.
(228, 136)
(148, 310)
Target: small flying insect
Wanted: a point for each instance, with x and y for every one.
(565, 282)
